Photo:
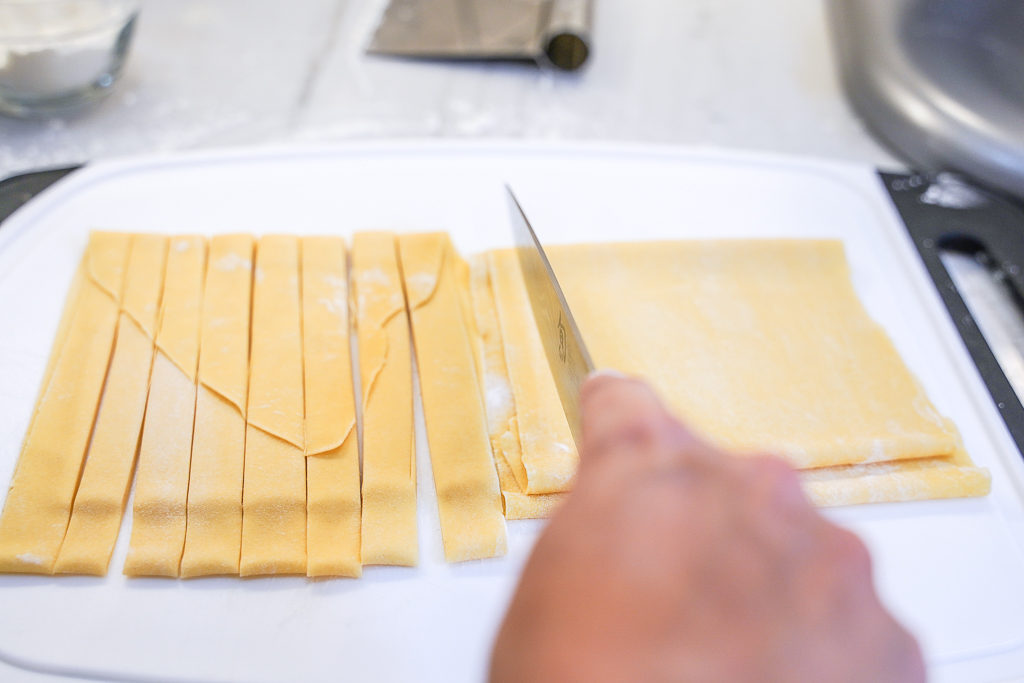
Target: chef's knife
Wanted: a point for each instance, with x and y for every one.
(566, 353)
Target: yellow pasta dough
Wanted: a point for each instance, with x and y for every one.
(385, 367)
(38, 505)
(332, 468)
(468, 497)
(161, 483)
(546, 460)
(274, 487)
(232, 378)
(64, 325)
(878, 482)
(213, 535)
(107, 474)
(501, 409)
(763, 345)
(759, 344)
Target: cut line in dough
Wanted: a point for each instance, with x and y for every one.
(274, 486)
(500, 403)
(389, 533)
(38, 505)
(110, 462)
(546, 460)
(332, 467)
(165, 453)
(213, 532)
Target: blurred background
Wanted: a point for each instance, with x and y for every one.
(221, 73)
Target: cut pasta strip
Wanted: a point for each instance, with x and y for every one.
(161, 483)
(332, 470)
(500, 404)
(546, 461)
(38, 505)
(274, 488)
(385, 366)
(468, 497)
(213, 536)
(107, 474)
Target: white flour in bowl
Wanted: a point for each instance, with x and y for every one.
(48, 48)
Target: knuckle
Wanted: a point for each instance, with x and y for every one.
(606, 393)
(639, 430)
(600, 382)
(847, 551)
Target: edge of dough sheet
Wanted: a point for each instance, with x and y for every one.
(949, 568)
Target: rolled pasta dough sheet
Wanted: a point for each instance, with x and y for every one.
(758, 344)
(762, 345)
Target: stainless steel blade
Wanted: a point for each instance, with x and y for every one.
(566, 353)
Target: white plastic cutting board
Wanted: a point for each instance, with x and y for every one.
(952, 570)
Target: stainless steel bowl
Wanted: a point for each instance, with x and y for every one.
(939, 81)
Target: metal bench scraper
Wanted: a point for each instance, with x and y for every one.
(552, 33)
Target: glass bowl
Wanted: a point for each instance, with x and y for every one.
(56, 55)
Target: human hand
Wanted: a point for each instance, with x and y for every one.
(672, 560)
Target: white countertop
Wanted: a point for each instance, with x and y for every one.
(218, 73)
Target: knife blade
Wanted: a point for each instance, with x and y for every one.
(566, 353)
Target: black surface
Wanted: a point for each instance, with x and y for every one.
(995, 226)
(18, 189)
